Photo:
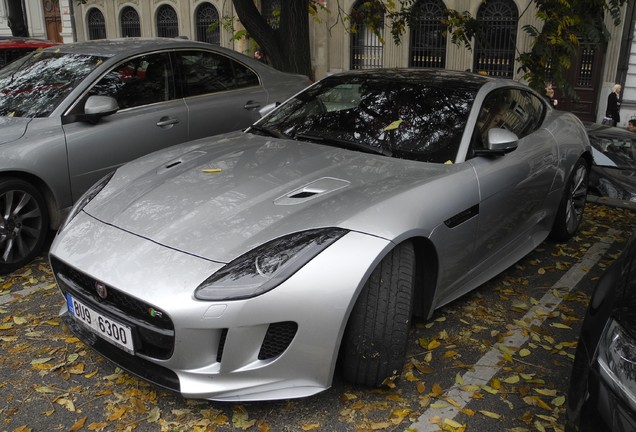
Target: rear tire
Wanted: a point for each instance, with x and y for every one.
(374, 345)
(24, 224)
(570, 213)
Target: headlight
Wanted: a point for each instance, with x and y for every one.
(617, 361)
(86, 198)
(267, 266)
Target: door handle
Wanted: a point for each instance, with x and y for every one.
(167, 122)
(252, 105)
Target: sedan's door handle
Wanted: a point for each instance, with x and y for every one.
(252, 105)
(167, 122)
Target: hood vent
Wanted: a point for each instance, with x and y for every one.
(310, 191)
(182, 159)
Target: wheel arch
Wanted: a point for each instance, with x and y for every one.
(55, 215)
(426, 276)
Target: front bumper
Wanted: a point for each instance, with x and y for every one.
(217, 348)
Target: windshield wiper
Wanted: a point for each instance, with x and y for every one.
(265, 131)
(349, 145)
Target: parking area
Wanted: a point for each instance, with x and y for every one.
(497, 359)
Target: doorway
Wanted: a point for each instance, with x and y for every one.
(52, 20)
(585, 77)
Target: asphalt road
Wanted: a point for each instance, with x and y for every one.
(498, 359)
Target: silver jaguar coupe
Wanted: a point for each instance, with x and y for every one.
(249, 266)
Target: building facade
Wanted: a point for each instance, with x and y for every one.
(334, 49)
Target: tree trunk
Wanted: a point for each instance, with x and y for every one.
(286, 48)
(17, 19)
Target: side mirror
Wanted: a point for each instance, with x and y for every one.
(499, 142)
(100, 106)
(95, 108)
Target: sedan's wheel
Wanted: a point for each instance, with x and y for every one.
(23, 224)
(375, 341)
(570, 213)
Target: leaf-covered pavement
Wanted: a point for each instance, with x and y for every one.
(52, 382)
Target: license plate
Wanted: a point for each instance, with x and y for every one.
(114, 332)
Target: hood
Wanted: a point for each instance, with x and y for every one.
(13, 128)
(219, 199)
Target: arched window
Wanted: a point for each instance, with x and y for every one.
(428, 38)
(129, 21)
(96, 24)
(167, 22)
(206, 15)
(270, 10)
(366, 47)
(495, 41)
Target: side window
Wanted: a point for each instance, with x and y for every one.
(516, 110)
(139, 81)
(245, 77)
(205, 72)
(533, 112)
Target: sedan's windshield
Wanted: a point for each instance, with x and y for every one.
(404, 119)
(33, 87)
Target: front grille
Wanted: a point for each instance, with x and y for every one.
(277, 339)
(153, 328)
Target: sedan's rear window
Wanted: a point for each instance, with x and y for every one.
(33, 87)
(404, 119)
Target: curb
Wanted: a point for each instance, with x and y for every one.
(612, 202)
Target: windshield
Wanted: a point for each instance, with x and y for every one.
(399, 118)
(35, 85)
(614, 151)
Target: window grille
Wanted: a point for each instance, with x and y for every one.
(496, 40)
(584, 76)
(129, 21)
(96, 24)
(367, 51)
(428, 39)
(167, 22)
(206, 16)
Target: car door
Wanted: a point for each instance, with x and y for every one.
(221, 94)
(150, 117)
(513, 187)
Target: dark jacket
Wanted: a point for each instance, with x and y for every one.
(613, 107)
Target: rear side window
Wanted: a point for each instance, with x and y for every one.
(205, 72)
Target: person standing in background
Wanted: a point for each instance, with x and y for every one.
(549, 93)
(614, 104)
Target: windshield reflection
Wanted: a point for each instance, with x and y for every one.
(35, 86)
(405, 119)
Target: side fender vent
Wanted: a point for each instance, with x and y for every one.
(277, 339)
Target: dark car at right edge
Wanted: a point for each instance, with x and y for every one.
(602, 394)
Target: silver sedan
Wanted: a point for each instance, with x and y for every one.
(248, 266)
(72, 113)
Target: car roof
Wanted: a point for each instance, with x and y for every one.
(416, 75)
(131, 46)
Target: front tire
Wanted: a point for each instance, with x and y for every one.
(23, 224)
(570, 213)
(374, 345)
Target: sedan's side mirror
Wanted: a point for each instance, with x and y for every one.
(499, 142)
(100, 106)
(95, 108)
